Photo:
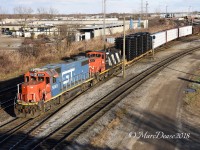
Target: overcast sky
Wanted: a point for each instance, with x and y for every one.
(95, 6)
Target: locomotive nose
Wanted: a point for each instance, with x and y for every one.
(31, 92)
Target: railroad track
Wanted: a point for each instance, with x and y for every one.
(6, 104)
(66, 133)
(21, 130)
(7, 97)
(8, 89)
(17, 130)
(11, 127)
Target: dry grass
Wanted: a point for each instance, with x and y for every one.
(12, 64)
(98, 140)
(192, 100)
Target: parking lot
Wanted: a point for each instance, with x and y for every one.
(10, 43)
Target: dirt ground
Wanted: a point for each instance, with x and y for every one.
(9, 43)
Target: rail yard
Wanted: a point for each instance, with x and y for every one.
(79, 82)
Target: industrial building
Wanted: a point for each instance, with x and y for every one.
(87, 28)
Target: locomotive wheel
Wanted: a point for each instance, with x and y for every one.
(91, 83)
(106, 75)
(67, 95)
(32, 112)
(83, 87)
(97, 76)
(19, 113)
(101, 77)
(94, 82)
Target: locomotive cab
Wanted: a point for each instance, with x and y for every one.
(100, 61)
(36, 87)
(96, 62)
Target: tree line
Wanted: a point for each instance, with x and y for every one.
(22, 12)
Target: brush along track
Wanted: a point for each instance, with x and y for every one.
(67, 132)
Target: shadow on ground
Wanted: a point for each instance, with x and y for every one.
(151, 123)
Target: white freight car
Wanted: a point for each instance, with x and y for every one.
(184, 31)
(172, 34)
(160, 39)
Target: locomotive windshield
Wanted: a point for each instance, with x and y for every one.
(40, 78)
(94, 55)
(33, 79)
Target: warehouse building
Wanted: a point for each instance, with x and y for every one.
(87, 29)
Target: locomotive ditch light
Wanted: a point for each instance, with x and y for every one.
(56, 75)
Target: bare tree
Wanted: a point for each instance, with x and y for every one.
(23, 12)
(3, 13)
(63, 41)
(44, 13)
(52, 12)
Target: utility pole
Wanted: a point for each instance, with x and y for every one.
(104, 24)
(147, 14)
(189, 11)
(124, 42)
(189, 15)
(141, 9)
(102, 7)
(166, 11)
